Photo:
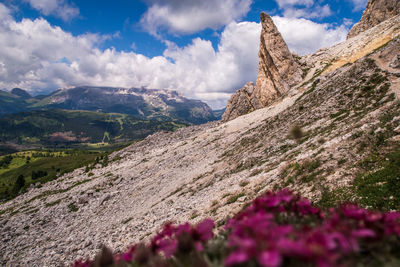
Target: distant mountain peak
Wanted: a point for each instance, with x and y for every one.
(20, 93)
(141, 102)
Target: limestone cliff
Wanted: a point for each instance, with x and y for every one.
(376, 12)
(240, 102)
(278, 72)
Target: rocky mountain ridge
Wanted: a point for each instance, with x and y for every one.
(21, 93)
(240, 103)
(140, 102)
(326, 60)
(377, 11)
(346, 113)
(277, 73)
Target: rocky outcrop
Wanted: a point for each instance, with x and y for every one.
(395, 62)
(240, 102)
(277, 73)
(277, 69)
(376, 12)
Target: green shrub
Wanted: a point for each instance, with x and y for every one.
(72, 207)
(234, 198)
(38, 174)
(5, 161)
(19, 184)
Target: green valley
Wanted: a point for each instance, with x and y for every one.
(38, 167)
(76, 129)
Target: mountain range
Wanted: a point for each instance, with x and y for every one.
(79, 117)
(61, 128)
(141, 103)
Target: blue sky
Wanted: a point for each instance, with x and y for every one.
(203, 49)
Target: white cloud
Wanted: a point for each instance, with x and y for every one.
(316, 12)
(286, 3)
(214, 75)
(359, 4)
(40, 57)
(186, 17)
(309, 9)
(5, 13)
(305, 36)
(58, 8)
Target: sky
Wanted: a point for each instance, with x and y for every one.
(203, 49)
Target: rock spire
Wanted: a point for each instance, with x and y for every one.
(277, 73)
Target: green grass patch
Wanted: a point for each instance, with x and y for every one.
(234, 198)
(313, 87)
(335, 197)
(127, 220)
(378, 187)
(53, 192)
(52, 164)
(51, 204)
(72, 207)
(340, 114)
(304, 172)
(375, 187)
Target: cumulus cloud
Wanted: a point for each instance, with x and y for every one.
(302, 34)
(5, 13)
(58, 8)
(186, 17)
(213, 75)
(304, 9)
(316, 12)
(286, 3)
(305, 36)
(359, 4)
(41, 57)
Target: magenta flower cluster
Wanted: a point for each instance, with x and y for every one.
(171, 241)
(277, 229)
(284, 226)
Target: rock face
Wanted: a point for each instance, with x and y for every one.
(277, 69)
(395, 62)
(376, 12)
(240, 103)
(277, 73)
